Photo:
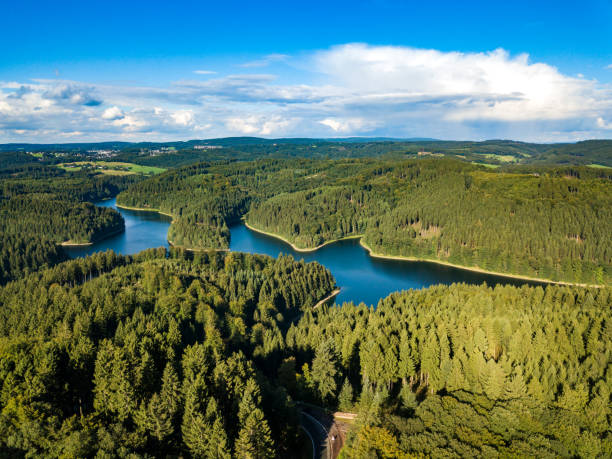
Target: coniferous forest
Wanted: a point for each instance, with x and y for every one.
(550, 223)
(207, 354)
(198, 351)
(42, 208)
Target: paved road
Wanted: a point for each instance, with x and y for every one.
(318, 434)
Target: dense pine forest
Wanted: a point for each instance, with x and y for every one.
(510, 372)
(42, 207)
(543, 222)
(206, 355)
(116, 356)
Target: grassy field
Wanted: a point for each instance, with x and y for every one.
(490, 166)
(599, 166)
(502, 158)
(112, 168)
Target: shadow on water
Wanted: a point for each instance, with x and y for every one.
(361, 278)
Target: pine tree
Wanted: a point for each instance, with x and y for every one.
(345, 399)
(324, 370)
(516, 388)
(254, 439)
(493, 380)
(406, 362)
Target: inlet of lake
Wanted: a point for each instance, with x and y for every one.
(360, 277)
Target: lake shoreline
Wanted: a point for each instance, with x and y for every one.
(145, 209)
(298, 249)
(87, 244)
(425, 260)
(472, 268)
(370, 252)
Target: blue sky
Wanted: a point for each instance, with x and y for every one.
(73, 71)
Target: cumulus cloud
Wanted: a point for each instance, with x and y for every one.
(72, 94)
(353, 89)
(183, 117)
(248, 125)
(204, 72)
(466, 86)
(112, 113)
(343, 126)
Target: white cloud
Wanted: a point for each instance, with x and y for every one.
(470, 86)
(130, 123)
(353, 89)
(609, 66)
(246, 125)
(204, 72)
(183, 117)
(343, 126)
(112, 113)
(603, 124)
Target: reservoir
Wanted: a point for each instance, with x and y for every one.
(361, 278)
(143, 230)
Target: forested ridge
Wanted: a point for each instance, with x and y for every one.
(137, 356)
(205, 354)
(543, 222)
(465, 371)
(42, 207)
(180, 153)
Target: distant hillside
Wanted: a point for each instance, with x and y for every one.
(491, 153)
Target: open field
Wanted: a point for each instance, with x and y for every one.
(502, 158)
(490, 166)
(112, 168)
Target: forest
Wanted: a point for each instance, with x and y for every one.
(206, 355)
(113, 356)
(541, 222)
(42, 207)
(210, 353)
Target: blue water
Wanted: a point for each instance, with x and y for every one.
(143, 230)
(360, 277)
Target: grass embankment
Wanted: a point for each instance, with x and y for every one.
(599, 166)
(327, 298)
(145, 209)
